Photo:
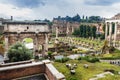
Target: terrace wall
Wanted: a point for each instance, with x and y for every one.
(17, 71)
(21, 72)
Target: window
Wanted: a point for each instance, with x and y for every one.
(27, 27)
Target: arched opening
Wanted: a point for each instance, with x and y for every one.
(40, 48)
(28, 42)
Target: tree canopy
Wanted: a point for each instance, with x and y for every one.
(77, 18)
(19, 52)
(85, 31)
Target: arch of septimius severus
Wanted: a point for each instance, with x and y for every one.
(15, 31)
(113, 38)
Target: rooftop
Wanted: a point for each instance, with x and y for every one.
(24, 22)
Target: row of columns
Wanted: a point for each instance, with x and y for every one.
(109, 24)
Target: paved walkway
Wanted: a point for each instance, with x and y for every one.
(102, 75)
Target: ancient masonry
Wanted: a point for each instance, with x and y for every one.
(115, 37)
(63, 28)
(15, 31)
(15, 71)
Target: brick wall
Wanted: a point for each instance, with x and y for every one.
(20, 72)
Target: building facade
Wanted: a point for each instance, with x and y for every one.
(64, 28)
(112, 33)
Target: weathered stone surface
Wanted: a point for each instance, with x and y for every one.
(15, 31)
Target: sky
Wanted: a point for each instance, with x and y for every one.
(41, 9)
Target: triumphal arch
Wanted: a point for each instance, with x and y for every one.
(112, 32)
(15, 31)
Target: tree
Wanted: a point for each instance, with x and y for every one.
(94, 32)
(84, 31)
(76, 32)
(19, 52)
(95, 19)
(50, 54)
(83, 17)
(76, 18)
(88, 31)
(81, 31)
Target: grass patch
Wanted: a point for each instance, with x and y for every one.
(107, 55)
(110, 77)
(83, 73)
(28, 40)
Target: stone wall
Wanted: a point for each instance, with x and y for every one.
(64, 28)
(22, 70)
(20, 27)
(52, 73)
(1, 29)
(49, 74)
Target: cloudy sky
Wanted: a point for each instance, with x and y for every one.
(41, 9)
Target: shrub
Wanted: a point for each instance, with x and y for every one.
(50, 53)
(65, 59)
(36, 57)
(110, 58)
(19, 52)
(73, 78)
(61, 50)
(111, 49)
(111, 70)
(69, 49)
(93, 60)
(89, 59)
(84, 58)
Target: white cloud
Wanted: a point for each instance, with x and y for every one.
(11, 10)
(58, 8)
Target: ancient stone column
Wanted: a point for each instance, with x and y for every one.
(6, 43)
(46, 41)
(56, 32)
(46, 45)
(115, 33)
(110, 33)
(106, 31)
(6, 47)
(67, 31)
(35, 42)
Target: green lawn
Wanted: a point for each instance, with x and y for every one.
(28, 40)
(110, 77)
(86, 74)
(113, 55)
(97, 43)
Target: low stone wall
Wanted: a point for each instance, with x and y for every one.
(13, 72)
(15, 63)
(17, 71)
(48, 73)
(52, 73)
(116, 62)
